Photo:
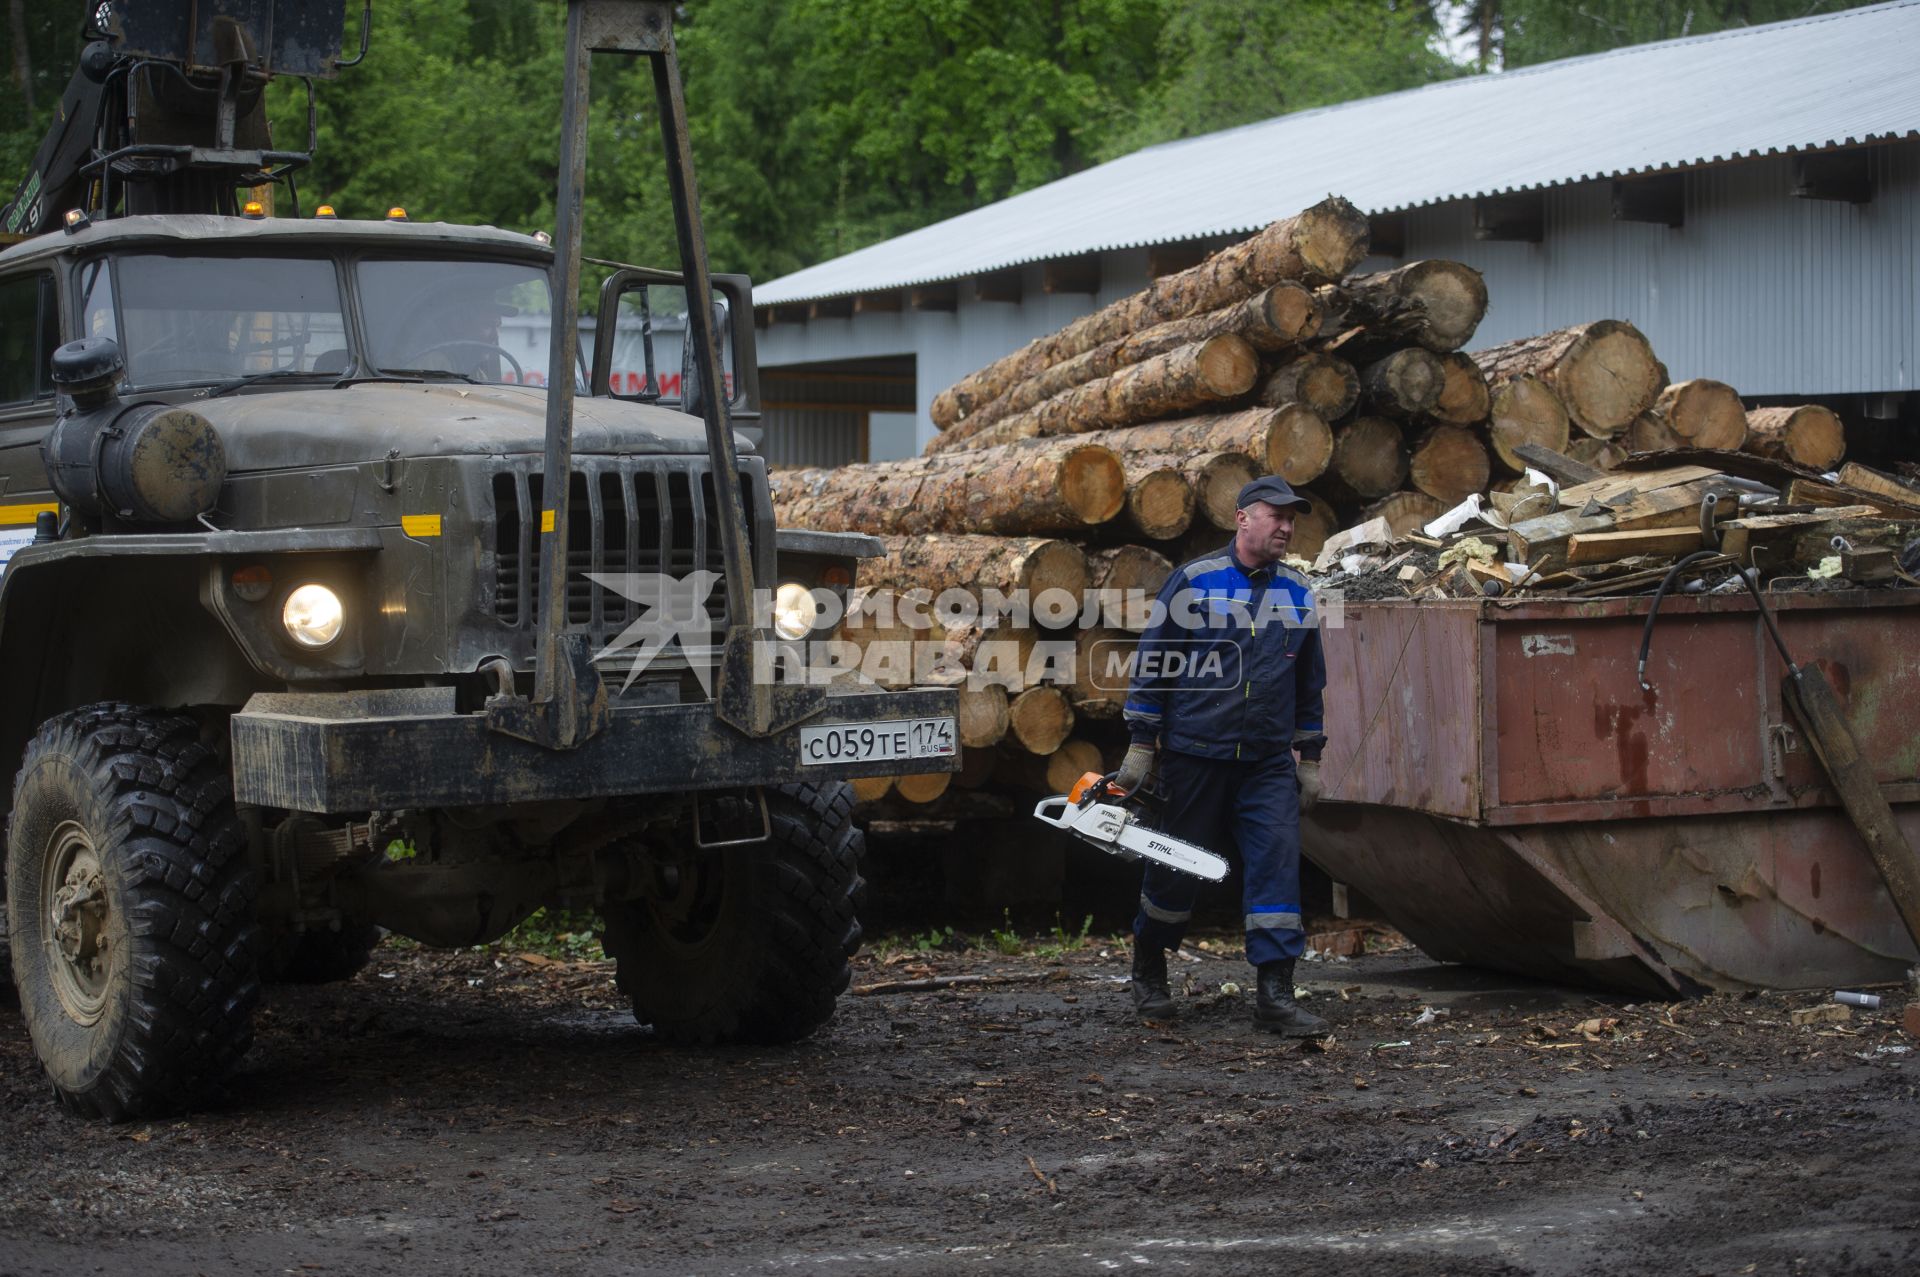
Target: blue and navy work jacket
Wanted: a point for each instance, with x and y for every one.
(1230, 666)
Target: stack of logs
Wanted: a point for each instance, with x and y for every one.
(1098, 456)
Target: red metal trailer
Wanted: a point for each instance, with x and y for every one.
(1501, 786)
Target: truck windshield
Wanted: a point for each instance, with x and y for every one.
(186, 320)
(482, 321)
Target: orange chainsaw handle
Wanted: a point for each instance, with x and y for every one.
(1093, 785)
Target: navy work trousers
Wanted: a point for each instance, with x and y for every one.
(1218, 804)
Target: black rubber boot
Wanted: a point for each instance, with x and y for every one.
(1152, 999)
(1276, 1011)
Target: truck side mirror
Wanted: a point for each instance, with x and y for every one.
(640, 351)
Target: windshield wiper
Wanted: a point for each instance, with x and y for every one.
(272, 374)
(424, 373)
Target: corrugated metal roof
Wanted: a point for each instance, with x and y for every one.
(1814, 82)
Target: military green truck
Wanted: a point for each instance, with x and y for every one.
(298, 639)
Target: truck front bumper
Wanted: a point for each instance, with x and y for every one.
(343, 752)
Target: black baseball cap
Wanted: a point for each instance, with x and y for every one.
(1274, 491)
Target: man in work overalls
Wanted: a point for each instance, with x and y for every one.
(1226, 721)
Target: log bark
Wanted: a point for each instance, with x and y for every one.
(1404, 511)
(1039, 719)
(1326, 384)
(1438, 304)
(1809, 435)
(1464, 399)
(1292, 442)
(943, 561)
(1604, 373)
(1369, 458)
(1190, 377)
(1449, 463)
(1160, 496)
(1405, 384)
(1048, 486)
(1704, 414)
(1525, 410)
(1321, 243)
(1275, 319)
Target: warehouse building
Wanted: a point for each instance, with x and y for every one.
(1750, 200)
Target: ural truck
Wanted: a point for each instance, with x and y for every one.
(317, 618)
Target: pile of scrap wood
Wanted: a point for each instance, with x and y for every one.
(1580, 532)
(1098, 456)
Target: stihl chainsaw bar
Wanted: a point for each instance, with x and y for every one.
(1114, 830)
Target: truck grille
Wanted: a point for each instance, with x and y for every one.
(624, 515)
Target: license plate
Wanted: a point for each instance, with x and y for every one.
(900, 739)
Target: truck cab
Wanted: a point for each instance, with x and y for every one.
(300, 639)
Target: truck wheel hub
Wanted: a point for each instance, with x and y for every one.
(82, 949)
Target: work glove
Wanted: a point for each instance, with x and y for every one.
(1134, 768)
(1309, 773)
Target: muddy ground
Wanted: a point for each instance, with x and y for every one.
(484, 1112)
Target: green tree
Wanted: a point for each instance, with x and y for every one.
(1231, 62)
(922, 109)
(43, 45)
(1535, 31)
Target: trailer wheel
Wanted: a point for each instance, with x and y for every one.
(130, 903)
(748, 943)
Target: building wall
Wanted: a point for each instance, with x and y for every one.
(1772, 294)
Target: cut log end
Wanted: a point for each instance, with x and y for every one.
(1703, 413)
(1449, 463)
(1039, 719)
(1525, 410)
(1129, 568)
(1369, 457)
(1452, 298)
(1299, 444)
(1608, 379)
(1331, 238)
(1093, 483)
(1808, 435)
(1217, 484)
(1160, 502)
(983, 715)
(1289, 314)
(1227, 366)
(1067, 764)
(1406, 383)
(1464, 399)
(869, 789)
(1404, 511)
(923, 787)
(1055, 565)
(1324, 383)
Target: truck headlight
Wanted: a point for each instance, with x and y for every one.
(794, 611)
(313, 616)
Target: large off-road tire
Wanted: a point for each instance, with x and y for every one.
(130, 901)
(322, 957)
(749, 943)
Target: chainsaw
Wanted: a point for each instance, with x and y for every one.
(1116, 830)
